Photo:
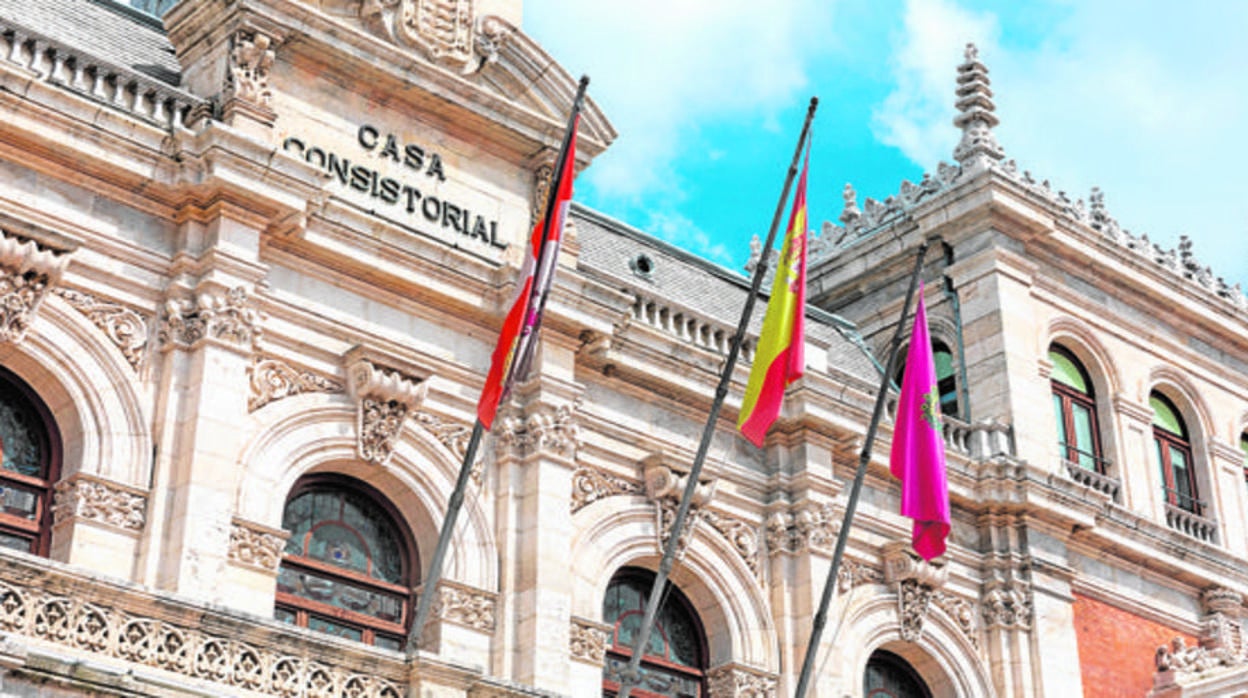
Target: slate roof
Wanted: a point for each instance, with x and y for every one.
(104, 29)
(608, 246)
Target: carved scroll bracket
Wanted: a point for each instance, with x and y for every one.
(27, 272)
(665, 487)
(385, 398)
(917, 581)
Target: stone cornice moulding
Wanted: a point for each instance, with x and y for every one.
(527, 112)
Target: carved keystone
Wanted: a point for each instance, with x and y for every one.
(385, 398)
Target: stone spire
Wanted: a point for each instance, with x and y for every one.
(979, 147)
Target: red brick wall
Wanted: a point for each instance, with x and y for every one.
(1116, 649)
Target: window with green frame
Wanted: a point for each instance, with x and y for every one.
(1174, 455)
(1243, 446)
(1074, 405)
(946, 377)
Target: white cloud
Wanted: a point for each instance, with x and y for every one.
(661, 69)
(1152, 111)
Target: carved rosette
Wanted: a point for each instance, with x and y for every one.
(271, 380)
(587, 641)
(26, 274)
(247, 76)
(384, 398)
(463, 605)
(738, 681)
(211, 316)
(256, 546)
(552, 430)
(590, 485)
(94, 499)
(1007, 605)
(125, 328)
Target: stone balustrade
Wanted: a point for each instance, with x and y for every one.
(979, 441)
(1104, 484)
(121, 88)
(1191, 524)
(687, 326)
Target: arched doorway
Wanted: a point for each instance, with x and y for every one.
(890, 676)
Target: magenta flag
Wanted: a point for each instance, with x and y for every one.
(918, 456)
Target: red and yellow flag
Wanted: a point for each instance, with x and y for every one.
(779, 358)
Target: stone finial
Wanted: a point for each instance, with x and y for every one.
(850, 214)
(978, 147)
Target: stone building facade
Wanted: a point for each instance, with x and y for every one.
(254, 256)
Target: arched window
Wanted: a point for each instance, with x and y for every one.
(890, 676)
(1243, 446)
(675, 659)
(946, 376)
(946, 382)
(1174, 454)
(1075, 406)
(30, 448)
(350, 564)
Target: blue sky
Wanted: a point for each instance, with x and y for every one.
(1147, 100)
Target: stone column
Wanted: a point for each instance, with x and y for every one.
(537, 455)
(1055, 646)
(207, 341)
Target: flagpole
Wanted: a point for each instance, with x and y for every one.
(430, 583)
(633, 672)
(829, 584)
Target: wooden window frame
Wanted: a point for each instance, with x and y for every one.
(37, 530)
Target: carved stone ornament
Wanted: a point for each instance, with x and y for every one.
(126, 329)
(813, 527)
(384, 398)
(1007, 605)
(271, 379)
(854, 574)
(256, 546)
(221, 659)
(590, 485)
(94, 499)
(541, 191)
(743, 537)
(666, 488)
(587, 641)
(962, 612)
(553, 430)
(913, 600)
(447, 32)
(251, 58)
(26, 274)
(466, 606)
(737, 681)
(455, 437)
(225, 318)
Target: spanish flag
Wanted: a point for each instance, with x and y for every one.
(779, 359)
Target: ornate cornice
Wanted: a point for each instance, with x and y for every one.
(125, 328)
(27, 272)
(384, 398)
(272, 379)
(587, 640)
(222, 317)
(739, 681)
(90, 498)
(256, 546)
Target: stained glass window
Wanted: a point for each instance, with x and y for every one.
(348, 565)
(1174, 455)
(890, 676)
(673, 662)
(1075, 408)
(29, 463)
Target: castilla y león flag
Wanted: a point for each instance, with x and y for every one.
(518, 338)
(918, 455)
(779, 359)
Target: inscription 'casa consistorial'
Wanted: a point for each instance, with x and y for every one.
(361, 175)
